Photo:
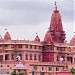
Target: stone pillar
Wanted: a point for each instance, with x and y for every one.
(10, 56)
(65, 58)
(73, 59)
(23, 56)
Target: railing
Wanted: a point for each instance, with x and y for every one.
(11, 62)
(53, 63)
(37, 63)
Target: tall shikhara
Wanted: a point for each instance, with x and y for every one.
(55, 34)
(56, 28)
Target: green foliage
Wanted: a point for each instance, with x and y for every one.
(14, 73)
(73, 71)
(21, 73)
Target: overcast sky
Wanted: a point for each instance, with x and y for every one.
(23, 18)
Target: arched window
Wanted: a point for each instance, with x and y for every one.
(35, 47)
(30, 46)
(20, 46)
(6, 56)
(42, 68)
(30, 56)
(39, 57)
(39, 47)
(12, 56)
(58, 58)
(26, 46)
(69, 49)
(35, 57)
(57, 68)
(26, 56)
(50, 68)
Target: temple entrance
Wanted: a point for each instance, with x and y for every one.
(21, 68)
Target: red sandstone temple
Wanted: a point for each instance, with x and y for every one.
(47, 57)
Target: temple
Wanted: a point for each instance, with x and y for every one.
(47, 57)
(56, 28)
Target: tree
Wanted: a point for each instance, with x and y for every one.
(73, 71)
(20, 73)
(13, 73)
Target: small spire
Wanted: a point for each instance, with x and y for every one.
(37, 39)
(55, 5)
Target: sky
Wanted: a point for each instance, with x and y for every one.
(24, 18)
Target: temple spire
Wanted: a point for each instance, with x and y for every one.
(37, 39)
(56, 27)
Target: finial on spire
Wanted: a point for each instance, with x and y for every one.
(74, 33)
(55, 5)
(6, 29)
(49, 29)
(36, 34)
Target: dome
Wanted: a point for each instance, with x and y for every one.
(48, 38)
(37, 39)
(7, 36)
(72, 40)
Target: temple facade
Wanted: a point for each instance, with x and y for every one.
(47, 57)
